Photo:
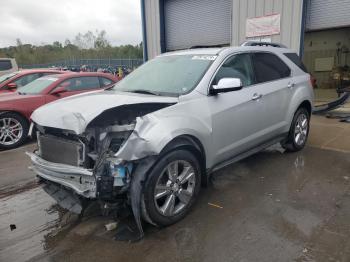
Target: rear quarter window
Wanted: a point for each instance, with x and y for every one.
(269, 67)
(296, 60)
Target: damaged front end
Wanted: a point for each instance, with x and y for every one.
(88, 164)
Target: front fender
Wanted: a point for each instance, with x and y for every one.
(153, 132)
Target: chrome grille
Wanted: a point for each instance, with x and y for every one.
(59, 150)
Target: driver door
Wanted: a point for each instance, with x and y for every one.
(76, 85)
(237, 116)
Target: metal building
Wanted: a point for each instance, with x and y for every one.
(178, 24)
(319, 30)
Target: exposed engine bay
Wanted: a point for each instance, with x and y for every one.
(87, 163)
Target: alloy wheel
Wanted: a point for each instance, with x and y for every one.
(175, 187)
(301, 129)
(11, 131)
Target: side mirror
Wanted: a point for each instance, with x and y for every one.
(226, 85)
(59, 90)
(11, 86)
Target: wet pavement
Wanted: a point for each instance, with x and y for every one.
(14, 168)
(272, 206)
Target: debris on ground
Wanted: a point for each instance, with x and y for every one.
(111, 226)
(342, 116)
(13, 227)
(321, 109)
(127, 231)
(214, 205)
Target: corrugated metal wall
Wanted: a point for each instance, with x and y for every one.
(152, 27)
(323, 14)
(196, 23)
(291, 19)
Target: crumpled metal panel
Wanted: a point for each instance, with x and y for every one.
(76, 112)
(81, 180)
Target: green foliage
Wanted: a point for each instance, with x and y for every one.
(84, 46)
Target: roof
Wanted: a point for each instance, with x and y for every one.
(195, 51)
(230, 49)
(30, 71)
(68, 74)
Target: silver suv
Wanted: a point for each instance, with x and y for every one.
(152, 140)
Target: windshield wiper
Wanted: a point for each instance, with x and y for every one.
(142, 91)
(22, 93)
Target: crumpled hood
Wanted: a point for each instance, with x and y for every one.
(75, 113)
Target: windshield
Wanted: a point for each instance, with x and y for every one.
(7, 76)
(37, 86)
(167, 75)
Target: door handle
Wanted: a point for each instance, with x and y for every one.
(257, 96)
(290, 85)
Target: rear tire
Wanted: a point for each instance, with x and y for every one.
(13, 130)
(171, 188)
(299, 131)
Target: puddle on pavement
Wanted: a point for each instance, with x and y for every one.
(36, 218)
(274, 202)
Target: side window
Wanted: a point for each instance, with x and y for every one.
(105, 81)
(81, 83)
(24, 80)
(269, 67)
(5, 65)
(296, 60)
(236, 66)
(48, 73)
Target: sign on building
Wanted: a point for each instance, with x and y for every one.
(263, 26)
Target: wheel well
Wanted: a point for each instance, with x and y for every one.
(307, 105)
(17, 113)
(193, 145)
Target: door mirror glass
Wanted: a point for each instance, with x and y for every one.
(11, 86)
(226, 85)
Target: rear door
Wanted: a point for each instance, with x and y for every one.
(75, 85)
(78, 85)
(275, 86)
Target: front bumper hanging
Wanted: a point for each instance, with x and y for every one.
(80, 180)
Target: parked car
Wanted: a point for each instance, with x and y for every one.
(16, 108)
(11, 81)
(153, 139)
(8, 65)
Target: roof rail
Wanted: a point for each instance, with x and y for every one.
(258, 43)
(207, 46)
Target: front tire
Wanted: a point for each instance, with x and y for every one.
(171, 188)
(13, 130)
(299, 131)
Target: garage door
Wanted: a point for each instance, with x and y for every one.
(323, 14)
(197, 22)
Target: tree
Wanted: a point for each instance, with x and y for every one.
(87, 45)
(100, 40)
(57, 44)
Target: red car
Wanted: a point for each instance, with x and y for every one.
(10, 82)
(16, 107)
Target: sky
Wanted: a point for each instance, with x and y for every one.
(40, 22)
